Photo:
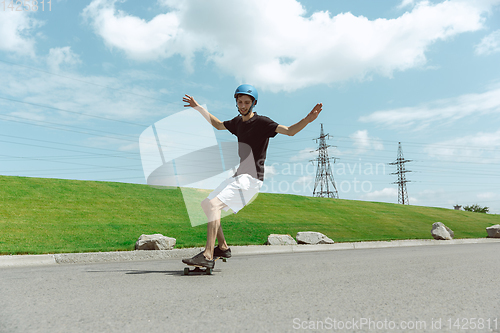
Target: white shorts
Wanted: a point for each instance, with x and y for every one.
(237, 192)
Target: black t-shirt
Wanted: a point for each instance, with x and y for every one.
(253, 138)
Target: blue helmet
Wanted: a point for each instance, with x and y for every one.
(246, 89)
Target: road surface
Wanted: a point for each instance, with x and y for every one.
(422, 289)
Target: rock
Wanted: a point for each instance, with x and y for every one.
(155, 242)
(441, 232)
(312, 237)
(274, 239)
(493, 231)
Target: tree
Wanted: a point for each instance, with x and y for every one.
(476, 208)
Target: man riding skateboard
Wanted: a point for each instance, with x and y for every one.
(253, 132)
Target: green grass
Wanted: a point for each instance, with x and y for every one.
(55, 216)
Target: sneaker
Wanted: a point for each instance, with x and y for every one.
(199, 260)
(222, 254)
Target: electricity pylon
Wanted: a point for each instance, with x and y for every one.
(325, 184)
(401, 171)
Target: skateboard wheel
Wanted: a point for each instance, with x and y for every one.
(224, 260)
(186, 270)
(208, 271)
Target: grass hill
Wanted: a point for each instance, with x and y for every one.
(40, 215)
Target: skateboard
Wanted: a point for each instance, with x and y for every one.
(201, 269)
(198, 269)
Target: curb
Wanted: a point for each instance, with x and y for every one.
(120, 256)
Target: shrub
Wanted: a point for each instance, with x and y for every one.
(476, 208)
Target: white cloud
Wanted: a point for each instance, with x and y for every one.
(363, 142)
(487, 196)
(434, 198)
(406, 3)
(305, 154)
(113, 142)
(441, 110)
(431, 198)
(270, 171)
(15, 32)
(481, 148)
(489, 44)
(61, 55)
(304, 181)
(274, 45)
(141, 40)
(389, 194)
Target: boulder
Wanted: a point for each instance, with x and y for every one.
(312, 237)
(155, 242)
(441, 232)
(274, 239)
(493, 231)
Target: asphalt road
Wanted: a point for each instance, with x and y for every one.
(422, 289)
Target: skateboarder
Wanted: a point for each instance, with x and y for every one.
(253, 132)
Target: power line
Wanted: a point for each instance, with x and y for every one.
(283, 152)
(73, 112)
(63, 144)
(83, 81)
(72, 163)
(93, 116)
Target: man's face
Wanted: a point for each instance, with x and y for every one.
(244, 103)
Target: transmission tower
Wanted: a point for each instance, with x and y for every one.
(401, 171)
(325, 184)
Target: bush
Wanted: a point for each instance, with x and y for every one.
(476, 208)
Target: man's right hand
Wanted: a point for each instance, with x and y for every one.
(191, 103)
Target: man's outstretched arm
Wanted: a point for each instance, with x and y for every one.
(296, 128)
(208, 116)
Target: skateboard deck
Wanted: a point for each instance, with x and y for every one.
(198, 269)
(201, 269)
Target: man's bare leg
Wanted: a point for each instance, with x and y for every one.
(212, 209)
(221, 239)
(211, 233)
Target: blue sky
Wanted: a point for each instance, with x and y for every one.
(81, 82)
